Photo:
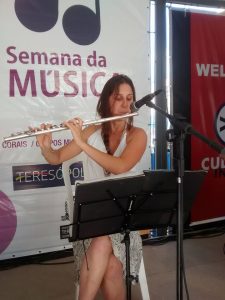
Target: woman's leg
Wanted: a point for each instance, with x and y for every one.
(91, 276)
(113, 286)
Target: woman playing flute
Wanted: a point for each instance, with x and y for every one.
(114, 147)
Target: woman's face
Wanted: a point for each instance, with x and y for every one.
(121, 100)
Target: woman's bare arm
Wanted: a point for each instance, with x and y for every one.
(136, 145)
(57, 156)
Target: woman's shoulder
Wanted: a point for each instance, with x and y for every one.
(137, 132)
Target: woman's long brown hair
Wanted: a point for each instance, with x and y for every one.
(103, 106)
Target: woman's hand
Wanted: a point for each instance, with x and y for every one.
(75, 125)
(45, 139)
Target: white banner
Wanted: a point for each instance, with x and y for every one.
(55, 58)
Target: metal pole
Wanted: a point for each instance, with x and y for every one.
(160, 121)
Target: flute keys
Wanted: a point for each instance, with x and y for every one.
(18, 133)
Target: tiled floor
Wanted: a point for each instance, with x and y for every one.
(204, 262)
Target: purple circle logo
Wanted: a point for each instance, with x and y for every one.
(8, 221)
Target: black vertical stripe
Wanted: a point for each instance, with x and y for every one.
(181, 81)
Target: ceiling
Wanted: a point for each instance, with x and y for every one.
(212, 3)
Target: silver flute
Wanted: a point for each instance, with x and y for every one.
(54, 128)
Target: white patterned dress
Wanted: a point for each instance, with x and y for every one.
(93, 171)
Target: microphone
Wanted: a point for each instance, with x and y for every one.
(145, 100)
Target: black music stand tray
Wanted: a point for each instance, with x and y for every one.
(125, 204)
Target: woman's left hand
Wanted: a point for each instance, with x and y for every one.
(75, 125)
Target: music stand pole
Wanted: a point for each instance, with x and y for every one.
(127, 221)
(128, 279)
(177, 135)
(180, 207)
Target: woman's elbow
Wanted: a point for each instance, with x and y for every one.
(121, 169)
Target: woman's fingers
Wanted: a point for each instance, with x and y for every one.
(77, 122)
(43, 126)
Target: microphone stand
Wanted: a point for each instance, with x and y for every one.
(181, 128)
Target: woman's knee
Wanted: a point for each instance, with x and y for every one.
(114, 270)
(101, 245)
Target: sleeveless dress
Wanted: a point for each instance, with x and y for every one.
(93, 171)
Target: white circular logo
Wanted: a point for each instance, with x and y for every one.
(220, 124)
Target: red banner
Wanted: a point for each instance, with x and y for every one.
(207, 38)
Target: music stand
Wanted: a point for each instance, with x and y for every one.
(121, 205)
